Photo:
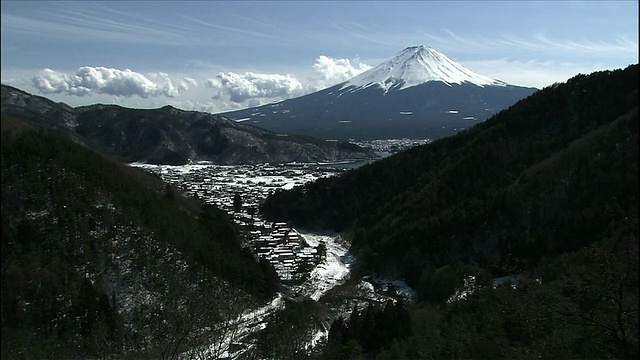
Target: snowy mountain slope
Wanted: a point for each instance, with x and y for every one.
(417, 65)
(419, 93)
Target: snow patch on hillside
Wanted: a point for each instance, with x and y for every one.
(334, 270)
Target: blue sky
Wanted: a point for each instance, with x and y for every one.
(218, 55)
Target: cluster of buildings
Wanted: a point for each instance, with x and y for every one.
(288, 252)
(391, 146)
(239, 190)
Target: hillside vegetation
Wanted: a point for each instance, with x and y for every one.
(100, 259)
(546, 191)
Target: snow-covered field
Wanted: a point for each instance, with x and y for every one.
(332, 271)
(397, 286)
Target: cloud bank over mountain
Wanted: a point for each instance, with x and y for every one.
(334, 71)
(242, 87)
(102, 80)
(226, 90)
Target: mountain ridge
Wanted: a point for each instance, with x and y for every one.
(171, 136)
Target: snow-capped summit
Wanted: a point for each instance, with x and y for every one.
(416, 65)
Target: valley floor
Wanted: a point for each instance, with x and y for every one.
(312, 266)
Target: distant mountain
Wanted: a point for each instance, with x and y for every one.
(101, 260)
(419, 93)
(171, 136)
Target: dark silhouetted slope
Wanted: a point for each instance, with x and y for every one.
(533, 181)
(520, 235)
(102, 260)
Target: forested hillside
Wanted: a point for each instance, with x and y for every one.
(100, 259)
(546, 191)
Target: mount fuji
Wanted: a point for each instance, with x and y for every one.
(419, 93)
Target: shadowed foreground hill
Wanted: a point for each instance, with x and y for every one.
(100, 259)
(536, 178)
(546, 189)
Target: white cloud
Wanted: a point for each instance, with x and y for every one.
(334, 71)
(253, 89)
(242, 87)
(100, 80)
(187, 81)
